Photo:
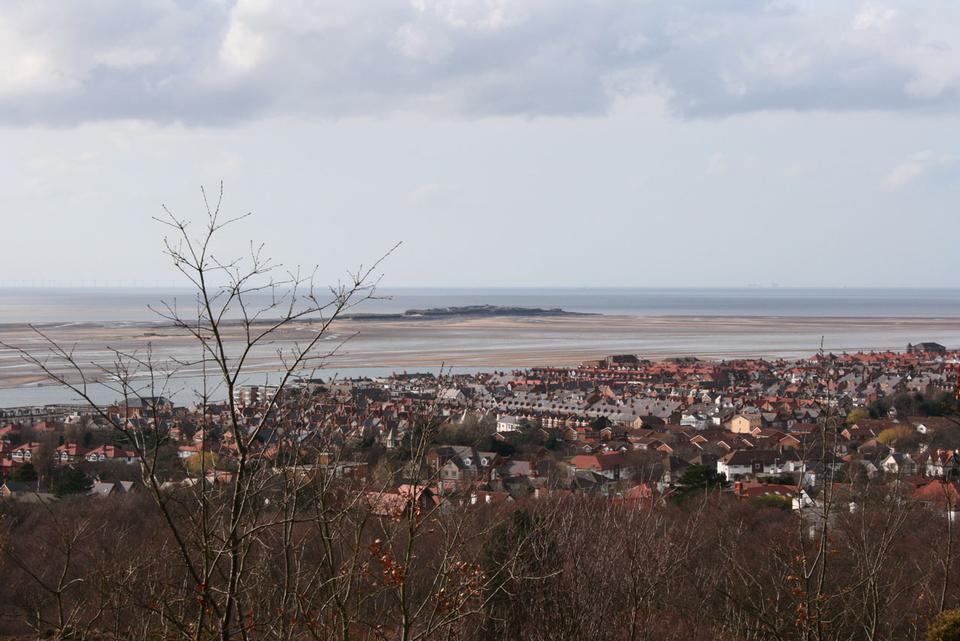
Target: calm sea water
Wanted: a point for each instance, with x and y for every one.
(36, 305)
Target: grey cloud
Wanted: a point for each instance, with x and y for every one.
(212, 62)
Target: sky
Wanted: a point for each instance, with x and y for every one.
(543, 143)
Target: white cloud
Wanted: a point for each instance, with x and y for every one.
(917, 165)
(718, 164)
(28, 72)
(242, 47)
(211, 62)
(431, 193)
(872, 16)
(26, 66)
(415, 43)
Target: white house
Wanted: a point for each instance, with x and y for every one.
(507, 423)
(899, 463)
(748, 462)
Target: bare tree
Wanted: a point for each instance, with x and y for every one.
(240, 308)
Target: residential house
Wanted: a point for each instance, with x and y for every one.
(69, 453)
(106, 453)
(459, 466)
(102, 489)
(943, 464)
(507, 423)
(899, 463)
(751, 462)
(741, 424)
(24, 453)
(26, 492)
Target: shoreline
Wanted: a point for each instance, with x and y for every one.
(376, 319)
(495, 342)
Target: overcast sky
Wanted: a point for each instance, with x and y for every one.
(506, 143)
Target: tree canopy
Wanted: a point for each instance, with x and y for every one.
(71, 480)
(945, 627)
(697, 478)
(25, 473)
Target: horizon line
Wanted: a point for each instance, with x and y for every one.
(528, 287)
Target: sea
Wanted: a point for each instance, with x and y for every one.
(62, 305)
(133, 305)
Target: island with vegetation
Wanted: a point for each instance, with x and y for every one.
(469, 311)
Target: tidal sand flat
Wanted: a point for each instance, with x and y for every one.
(493, 342)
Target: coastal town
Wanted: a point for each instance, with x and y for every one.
(475, 320)
(624, 428)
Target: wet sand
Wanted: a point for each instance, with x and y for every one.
(495, 342)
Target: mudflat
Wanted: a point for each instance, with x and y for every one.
(494, 342)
